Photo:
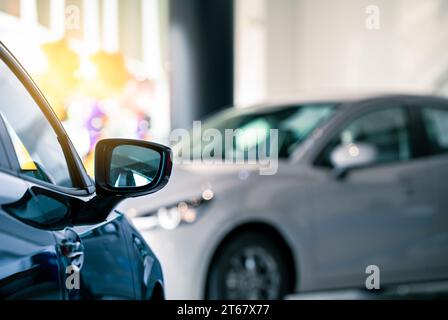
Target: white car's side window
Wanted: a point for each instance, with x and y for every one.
(436, 125)
(36, 145)
(382, 136)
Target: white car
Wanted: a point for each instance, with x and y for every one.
(360, 183)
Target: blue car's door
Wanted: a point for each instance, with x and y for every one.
(40, 193)
(29, 262)
(94, 259)
(29, 259)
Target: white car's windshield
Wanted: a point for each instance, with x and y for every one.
(294, 125)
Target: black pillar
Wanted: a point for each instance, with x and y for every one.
(202, 58)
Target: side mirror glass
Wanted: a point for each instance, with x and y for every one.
(131, 168)
(352, 155)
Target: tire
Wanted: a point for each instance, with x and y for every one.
(249, 266)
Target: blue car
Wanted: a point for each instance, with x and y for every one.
(60, 235)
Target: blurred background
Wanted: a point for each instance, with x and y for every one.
(141, 68)
(160, 64)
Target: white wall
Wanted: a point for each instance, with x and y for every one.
(250, 51)
(324, 46)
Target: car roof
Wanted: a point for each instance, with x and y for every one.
(339, 100)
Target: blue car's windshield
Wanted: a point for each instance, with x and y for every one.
(294, 125)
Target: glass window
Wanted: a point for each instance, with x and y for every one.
(385, 131)
(436, 125)
(294, 124)
(35, 142)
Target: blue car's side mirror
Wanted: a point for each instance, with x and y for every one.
(131, 168)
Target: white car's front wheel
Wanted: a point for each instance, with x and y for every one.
(250, 266)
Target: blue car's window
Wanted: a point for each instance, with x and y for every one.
(35, 143)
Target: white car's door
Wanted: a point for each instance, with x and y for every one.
(428, 180)
(366, 217)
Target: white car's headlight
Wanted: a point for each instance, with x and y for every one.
(171, 217)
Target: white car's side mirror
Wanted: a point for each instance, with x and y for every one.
(353, 155)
